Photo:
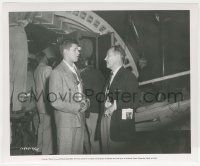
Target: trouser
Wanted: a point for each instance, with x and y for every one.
(45, 141)
(91, 123)
(113, 147)
(18, 51)
(70, 140)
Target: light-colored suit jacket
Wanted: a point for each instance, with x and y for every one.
(41, 76)
(62, 91)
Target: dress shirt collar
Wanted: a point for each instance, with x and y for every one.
(72, 68)
(115, 72)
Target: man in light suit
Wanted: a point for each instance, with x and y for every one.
(66, 96)
(121, 98)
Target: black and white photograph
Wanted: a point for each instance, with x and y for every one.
(99, 82)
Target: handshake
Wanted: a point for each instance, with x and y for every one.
(85, 104)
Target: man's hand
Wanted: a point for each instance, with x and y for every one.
(85, 104)
(110, 109)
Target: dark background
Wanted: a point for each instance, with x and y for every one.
(166, 36)
(171, 32)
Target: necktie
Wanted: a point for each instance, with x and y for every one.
(78, 79)
(108, 84)
(77, 73)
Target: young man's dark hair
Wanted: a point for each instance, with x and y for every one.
(66, 44)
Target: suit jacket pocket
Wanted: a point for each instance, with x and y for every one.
(121, 129)
(63, 119)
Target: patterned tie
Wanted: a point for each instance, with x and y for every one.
(108, 84)
(78, 78)
(77, 73)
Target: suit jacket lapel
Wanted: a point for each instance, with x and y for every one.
(106, 84)
(68, 72)
(79, 74)
(117, 76)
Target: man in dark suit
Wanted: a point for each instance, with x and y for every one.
(121, 96)
(66, 96)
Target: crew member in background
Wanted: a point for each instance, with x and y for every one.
(18, 58)
(41, 77)
(30, 104)
(93, 81)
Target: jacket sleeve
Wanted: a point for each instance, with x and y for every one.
(59, 101)
(129, 97)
